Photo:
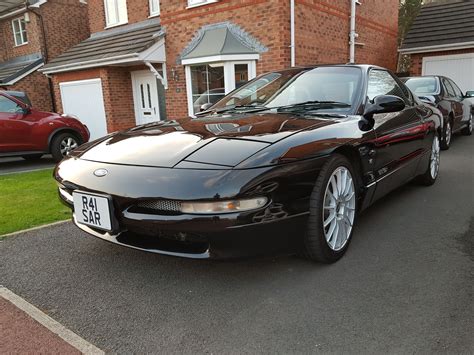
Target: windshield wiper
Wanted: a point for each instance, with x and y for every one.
(312, 105)
(243, 108)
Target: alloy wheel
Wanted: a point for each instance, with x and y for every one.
(67, 144)
(339, 208)
(434, 159)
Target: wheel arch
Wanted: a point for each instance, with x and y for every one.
(352, 154)
(64, 130)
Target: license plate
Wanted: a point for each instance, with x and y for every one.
(92, 210)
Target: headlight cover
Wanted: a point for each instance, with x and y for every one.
(223, 206)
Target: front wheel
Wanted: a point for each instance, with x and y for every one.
(431, 173)
(62, 144)
(447, 135)
(333, 207)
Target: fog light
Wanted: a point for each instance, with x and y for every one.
(223, 206)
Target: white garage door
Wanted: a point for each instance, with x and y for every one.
(458, 67)
(84, 99)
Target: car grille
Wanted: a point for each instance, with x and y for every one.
(167, 206)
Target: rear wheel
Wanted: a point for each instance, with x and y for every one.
(447, 135)
(431, 173)
(467, 131)
(32, 157)
(333, 206)
(62, 144)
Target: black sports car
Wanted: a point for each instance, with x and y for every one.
(285, 162)
(445, 95)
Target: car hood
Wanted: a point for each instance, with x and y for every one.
(218, 140)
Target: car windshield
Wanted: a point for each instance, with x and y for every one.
(331, 89)
(419, 86)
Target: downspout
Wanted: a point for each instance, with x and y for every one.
(292, 32)
(352, 33)
(46, 59)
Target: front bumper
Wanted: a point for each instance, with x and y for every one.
(239, 241)
(274, 228)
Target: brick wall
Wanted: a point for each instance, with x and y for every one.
(416, 60)
(322, 32)
(37, 87)
(137, 11)
(66, 24)
(118, 98)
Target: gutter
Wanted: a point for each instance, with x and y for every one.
(437, 48)
(352, 32)
(91, 63)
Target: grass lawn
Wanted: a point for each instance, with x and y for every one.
(28, 200)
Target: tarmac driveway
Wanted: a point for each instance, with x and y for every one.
(404, 286)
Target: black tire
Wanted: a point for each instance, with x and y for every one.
(55, 147)
(427, 178)
(32, 157)
(315, 246)
(467, 130)
(445, 142)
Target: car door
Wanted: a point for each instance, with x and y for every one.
(400, 136)
(14, 131)
(459, 105)
(455, 102)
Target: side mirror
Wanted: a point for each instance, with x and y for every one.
(205, 107)
(26, 110)
(384, 104)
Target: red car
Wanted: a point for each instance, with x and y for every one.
(30, 133)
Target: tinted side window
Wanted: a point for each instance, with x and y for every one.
(449, 88)
(382, 83)
(9, 106)
(456, 88)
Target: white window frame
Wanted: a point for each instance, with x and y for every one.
(117, 5)
(196, 3)
(229, 78)
(22, 32)
(157, 4)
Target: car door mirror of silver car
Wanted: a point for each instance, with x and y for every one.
(384, 104)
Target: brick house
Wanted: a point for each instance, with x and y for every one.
(32, 33)
(441, 42)
(166, 57)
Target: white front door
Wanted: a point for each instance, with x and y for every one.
(145, 97)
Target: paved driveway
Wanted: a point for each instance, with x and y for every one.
(405, 285)
(15, 165)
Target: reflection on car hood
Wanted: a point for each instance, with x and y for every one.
(220, 140)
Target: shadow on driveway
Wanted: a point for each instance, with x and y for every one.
(18, 164)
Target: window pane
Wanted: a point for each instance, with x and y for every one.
(423, 85)
(207, 84)
(122, 11)
(154, 7)
(449, 88)
(241, 74)
(382, 83)
(16, 26)
(25, 39)
(7, 105)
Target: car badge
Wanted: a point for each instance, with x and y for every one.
(100, 172)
